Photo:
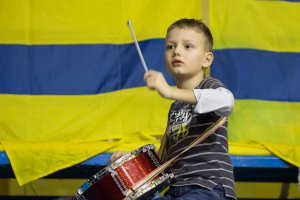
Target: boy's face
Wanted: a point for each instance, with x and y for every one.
(185, 54)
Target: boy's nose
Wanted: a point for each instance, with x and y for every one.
(176, 52)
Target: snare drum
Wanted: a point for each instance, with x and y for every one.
(116, 180)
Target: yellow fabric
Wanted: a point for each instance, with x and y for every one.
(43, 134)
(248, 148)
(107, 116)
(59, 128)
(273, 125)
(41, 159)
(267, 25)
(91, 21)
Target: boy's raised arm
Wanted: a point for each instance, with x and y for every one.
(155, 80)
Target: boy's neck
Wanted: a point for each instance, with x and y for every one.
(189, 83)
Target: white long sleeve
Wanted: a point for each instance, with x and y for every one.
(218, 100)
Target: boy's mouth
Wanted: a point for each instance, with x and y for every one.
(176, 62)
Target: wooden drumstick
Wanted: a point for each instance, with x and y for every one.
(137, 46)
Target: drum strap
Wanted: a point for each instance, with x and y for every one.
(209, 131)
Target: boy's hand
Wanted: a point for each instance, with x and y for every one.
(156, 81)
(116, 156)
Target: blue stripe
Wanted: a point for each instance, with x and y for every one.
(4, 159)
(257, 74)
(237, 161)
(99, 68)
(76, 69)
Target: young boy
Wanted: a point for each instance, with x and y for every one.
(205, 171)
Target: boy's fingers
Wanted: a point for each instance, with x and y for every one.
(116, 156)
(146, 75)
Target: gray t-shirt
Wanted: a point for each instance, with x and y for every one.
(208, 163)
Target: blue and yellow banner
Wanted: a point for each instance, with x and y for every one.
(71, 82)
(257, 51)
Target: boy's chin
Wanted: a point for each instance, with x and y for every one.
(176, 71)
(180, 75)
(185, 76)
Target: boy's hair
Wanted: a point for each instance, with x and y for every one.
(198, 25)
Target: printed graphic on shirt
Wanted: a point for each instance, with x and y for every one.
(179, 122)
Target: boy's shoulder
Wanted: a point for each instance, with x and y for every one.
(210, 82)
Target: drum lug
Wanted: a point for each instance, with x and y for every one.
(117, 179)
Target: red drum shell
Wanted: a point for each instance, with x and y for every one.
(135, 169)
(105, 188)
(114, 181)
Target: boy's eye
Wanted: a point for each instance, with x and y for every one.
(188, 46)
(170, 47)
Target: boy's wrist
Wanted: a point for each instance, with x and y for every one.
(169, 94)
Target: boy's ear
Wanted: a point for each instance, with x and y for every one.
(208, 59)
